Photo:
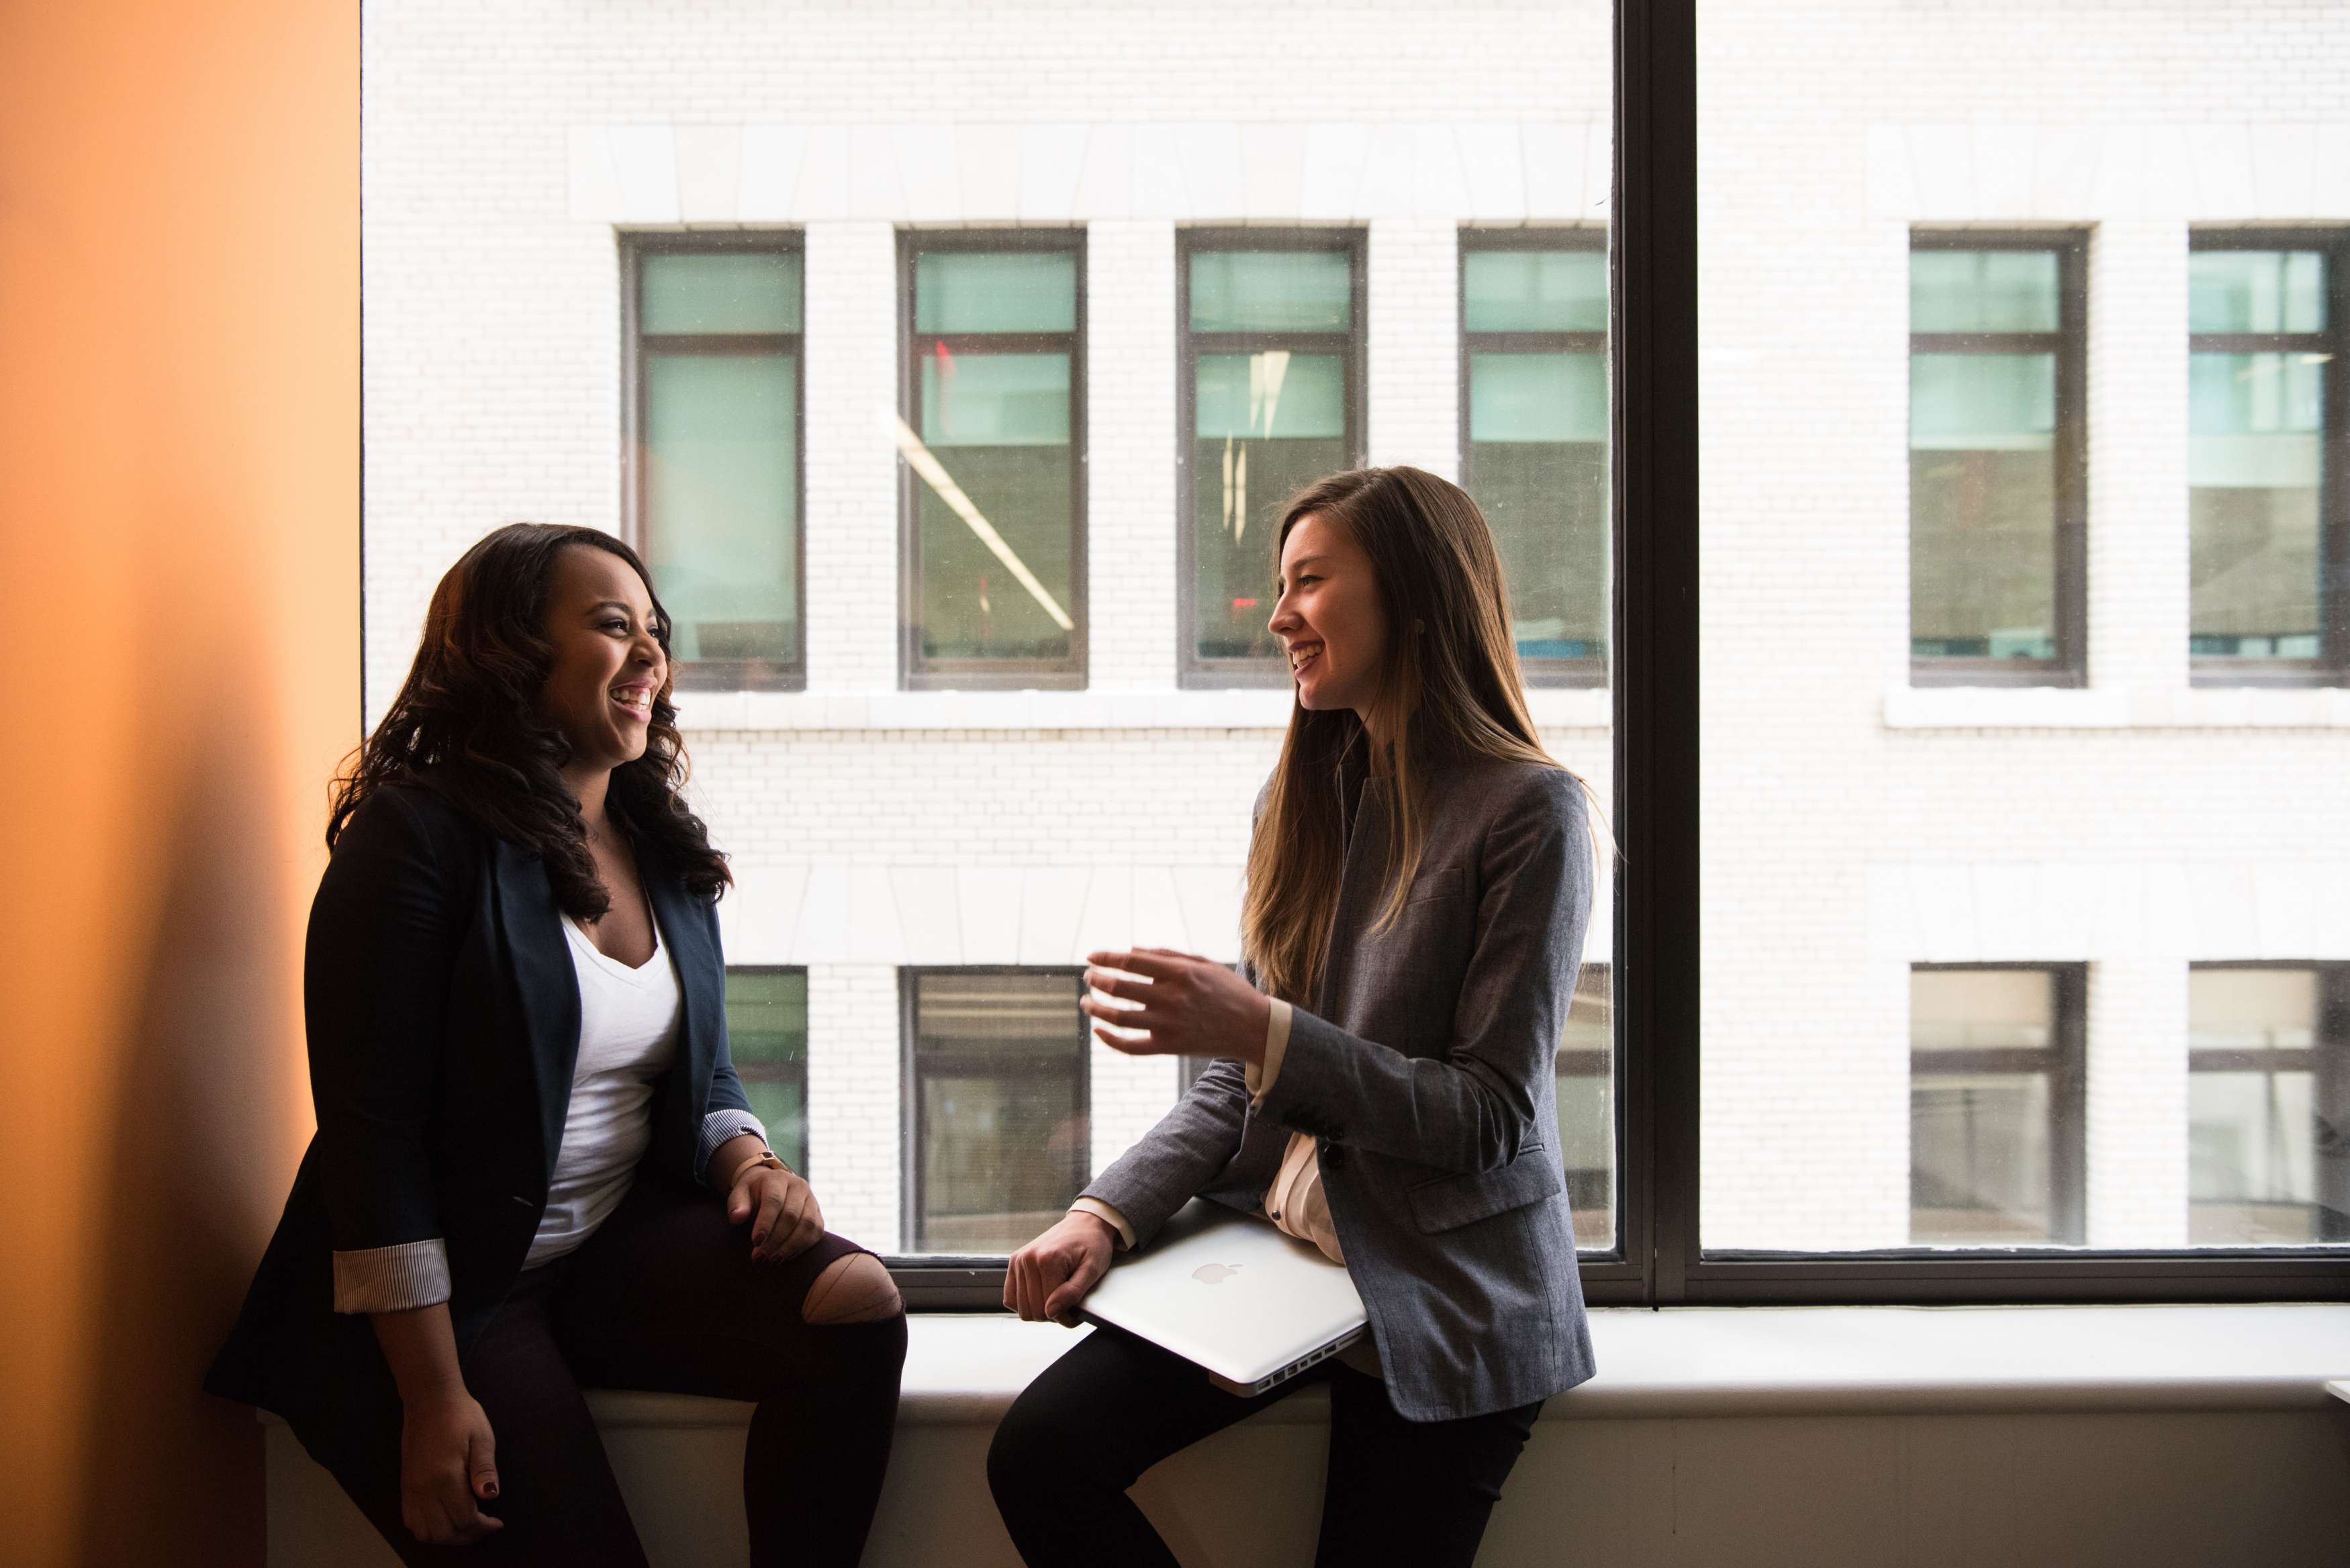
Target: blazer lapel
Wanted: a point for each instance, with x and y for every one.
(546, 988)
(700, 980)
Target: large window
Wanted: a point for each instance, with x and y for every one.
(1995, 1107)
(2269, 511)
(996, 1134)
(1997, 487)
(1533, 447)
(714, 457)
(2268, 1105)
(1271, 367)
(993, 437)
(767, 1035)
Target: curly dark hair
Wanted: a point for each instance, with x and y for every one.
(468, 724)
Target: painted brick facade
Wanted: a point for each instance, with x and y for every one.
(1853, 826)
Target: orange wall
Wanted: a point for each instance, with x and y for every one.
(179, 611)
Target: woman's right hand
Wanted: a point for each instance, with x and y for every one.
(1050, 1275)
(448, 1468)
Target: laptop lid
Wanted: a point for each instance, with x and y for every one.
(1231, 1293)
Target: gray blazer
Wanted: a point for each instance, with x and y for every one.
(1425, 1072)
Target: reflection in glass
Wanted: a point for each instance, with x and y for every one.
(2268, 1143)
(994, 393)
(766, 1035)
(2256, 435)
(1586, 1107)
(1985, 1108)
(1000, 1143)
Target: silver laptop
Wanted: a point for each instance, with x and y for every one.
(1229, 1292)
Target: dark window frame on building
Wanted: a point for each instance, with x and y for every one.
(2332, 667)
(1565, 672)
(917, 673)
(2065, 1061)
(771, 1072)
(1192, 670)
(713, 674)
(2326, 1060)
(933, 1269)
(2069, 345)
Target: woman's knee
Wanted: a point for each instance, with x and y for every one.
(854, 1289)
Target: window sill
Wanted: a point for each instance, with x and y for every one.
(1240, 708)
(2115, 708)
(964, 1371)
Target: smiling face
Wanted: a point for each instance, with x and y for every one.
(1330, 619)
(609, 666)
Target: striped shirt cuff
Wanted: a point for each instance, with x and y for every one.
(717, 1127)
(1108, 1216)
(1276, 1046)
(393, 1279)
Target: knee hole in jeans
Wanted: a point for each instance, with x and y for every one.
(855, 1289)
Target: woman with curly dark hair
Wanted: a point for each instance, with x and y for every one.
(535, 1162)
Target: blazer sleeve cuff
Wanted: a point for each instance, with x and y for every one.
(1276, 1046)
(1108, 1216)
(393, 1279)
(716, 1129)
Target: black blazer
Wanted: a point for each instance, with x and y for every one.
(443, 1013)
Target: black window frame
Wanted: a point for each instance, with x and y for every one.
(916, 674)
(1583, 673)
(2065, 1061)
(764, 1072)
(2328, 1060)
(2332, 666)
(2069, 344)
(1193, 672)
(713, 674)
(1658, 891)
(937, 1271)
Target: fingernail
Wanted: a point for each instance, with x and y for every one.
(490, 1488)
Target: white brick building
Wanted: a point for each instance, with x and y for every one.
(1856, 824)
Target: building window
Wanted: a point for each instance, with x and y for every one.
(1271, 395)
(2268, 1105)
(993, 434)
(997, 1141)
(1586, 1108)
(1996, 1150)
(2268, 503)
(1533, 443)
(714, 452)
(1997, 484)
(767, 1034)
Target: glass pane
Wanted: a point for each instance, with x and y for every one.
(1984, 291)
(994, 399)
(1535, 291)
(1265, 426)
(1272, 291)
(1981, 1010)
(1586, 1107)
(2269, 1160)
(2254, 452)
(1978, 1159)
(722, 502)
(767, 1035)
(996, 539)
(1983, 505)
(1000, 1128)
(995, 291)
(2251, 1008)
(2256, 291)
(731, 291)
(1538, 466)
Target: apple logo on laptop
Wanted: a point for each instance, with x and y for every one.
(1216, 1274)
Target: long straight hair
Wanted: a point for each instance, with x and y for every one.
(1448, 690)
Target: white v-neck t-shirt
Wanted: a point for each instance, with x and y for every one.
(628, 1036)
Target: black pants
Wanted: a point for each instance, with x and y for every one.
(1396, 1491)
(664, 1296)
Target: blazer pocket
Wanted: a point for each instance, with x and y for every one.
(1450, 1202)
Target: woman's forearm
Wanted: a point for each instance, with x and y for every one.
(420, 1347)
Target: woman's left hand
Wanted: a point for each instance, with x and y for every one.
(1190, 1006)
(782, 1209)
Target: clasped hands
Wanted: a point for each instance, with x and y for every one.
(1156, 1002)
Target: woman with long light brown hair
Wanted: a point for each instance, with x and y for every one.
(1420, 880)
